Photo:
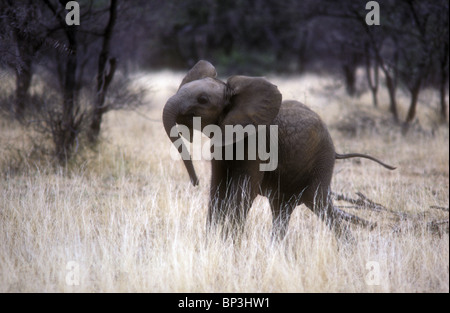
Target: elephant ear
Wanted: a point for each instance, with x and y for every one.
(200, 70)
(253, 101)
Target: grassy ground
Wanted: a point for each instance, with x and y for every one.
(127, 219)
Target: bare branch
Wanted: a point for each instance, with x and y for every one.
(363, 202)
(439, 208)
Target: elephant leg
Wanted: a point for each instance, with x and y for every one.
(231, 196)
(217, 195)
(281, 209)
(240, 200)
(319, 201)
(220, 195)
(229, 206)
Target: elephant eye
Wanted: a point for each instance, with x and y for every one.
(202, 99)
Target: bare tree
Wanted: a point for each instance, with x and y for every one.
(68, 55)
(68, 126)
(21, 22)
(416, 59)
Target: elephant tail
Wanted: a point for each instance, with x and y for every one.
(360, 155)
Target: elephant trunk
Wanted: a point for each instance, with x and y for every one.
(170, 114)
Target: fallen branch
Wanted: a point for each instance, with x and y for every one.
(439, 208)
(342, 215)
(362, 202)
(438, 227)
(365, 203)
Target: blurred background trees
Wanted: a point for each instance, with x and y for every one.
(408, 50)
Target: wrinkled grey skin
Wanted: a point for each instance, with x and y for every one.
(306, 154)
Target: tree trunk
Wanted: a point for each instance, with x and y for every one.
(391, 84)
(25, 53)
(350, 66)
(23, 82)
(302, 49)
(373, 83)
(442, 96)
(374, 97)
(443, 85)
(413, 104)
(65, 136)
(350, 78)
(392, 97)
(100, 107)
(103, 78)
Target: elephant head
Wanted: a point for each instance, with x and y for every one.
(241, 100)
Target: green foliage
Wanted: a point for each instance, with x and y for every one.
(253, 63)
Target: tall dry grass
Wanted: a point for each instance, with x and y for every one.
(125, 218)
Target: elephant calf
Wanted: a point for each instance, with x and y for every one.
(306, 154)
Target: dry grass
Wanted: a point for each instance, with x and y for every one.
(129, 219)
